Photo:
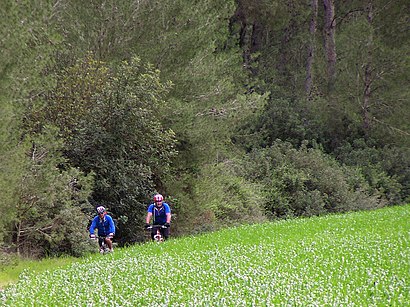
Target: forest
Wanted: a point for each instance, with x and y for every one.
(237, 111)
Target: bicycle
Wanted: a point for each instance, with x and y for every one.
(158, 237)
(104, 249)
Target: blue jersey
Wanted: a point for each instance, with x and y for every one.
(105, 225)
(159, 214)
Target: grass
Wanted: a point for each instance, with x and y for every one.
(356, 259)
(10, 273)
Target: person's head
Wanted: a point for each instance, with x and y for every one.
(158, 199)
(101, 211)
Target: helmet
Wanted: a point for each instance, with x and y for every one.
(158, 198)
(100, 210)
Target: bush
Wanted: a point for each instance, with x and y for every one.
(386, 169)
(305, 182)
(48, 211)
(222, 197)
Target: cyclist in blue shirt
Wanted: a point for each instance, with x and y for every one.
(106, 228)
(160, 212)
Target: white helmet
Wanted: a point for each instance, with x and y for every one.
(100, 210)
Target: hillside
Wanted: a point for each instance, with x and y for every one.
(359, 258)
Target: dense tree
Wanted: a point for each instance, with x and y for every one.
(373, 69)
(357, 104)
(29, 176)
(17, 58)
(368, 68)
(105, 28)
(49, 219)
(110, 126)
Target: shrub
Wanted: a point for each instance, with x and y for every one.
(386, 169)
(305, 182)
(48, 212)
(222, 197)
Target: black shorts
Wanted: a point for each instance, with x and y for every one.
(164, 232)
(101, 239)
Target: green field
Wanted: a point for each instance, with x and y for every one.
(356, 259)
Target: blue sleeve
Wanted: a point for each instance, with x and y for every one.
(167, 208)
(111, 223)
(150, 208)
(93, 225)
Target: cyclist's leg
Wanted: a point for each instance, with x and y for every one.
(100, 243)
(109, 243)
(153, 233)
(165, 233)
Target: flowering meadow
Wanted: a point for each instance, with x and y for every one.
(355, 259)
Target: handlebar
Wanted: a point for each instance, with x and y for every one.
(101, 237)
(156, 227)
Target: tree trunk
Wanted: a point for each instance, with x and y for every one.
(311, 49)
(368, 72)
(18, 239)
(330, 43)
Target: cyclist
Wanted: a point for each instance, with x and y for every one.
(106, 228)
(161, 214)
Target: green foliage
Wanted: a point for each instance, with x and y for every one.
(48, 217)
(11, 170)
(27, 43)
(304, 182)
(274, 38)
(295, 121)
(109, 119)
(222, 197)
(385, 169)
(107, 29)
(36, 195)
(191, 44)
(362, 43)
(280, 119)
(194, 47)
(70, 103)
(336, 120)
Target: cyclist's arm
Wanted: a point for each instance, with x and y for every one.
(149, 213)
(93, 225)
(168, 213)
(148, 218)
(112, 226)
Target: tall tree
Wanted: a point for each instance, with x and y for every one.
(311, 47)
(330, 41)
(32, 182)
(106, 28)
(26, 43)
(374, 68)
(368, 70)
